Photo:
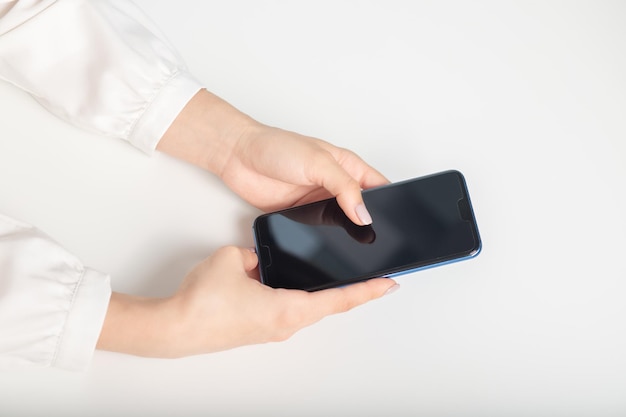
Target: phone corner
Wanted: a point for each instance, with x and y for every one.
(477, 250)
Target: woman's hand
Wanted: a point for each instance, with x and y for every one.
(222, 305)
(273, 168)
(268, 167)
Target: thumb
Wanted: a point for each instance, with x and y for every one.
(250, 258)
(246, 258)
(339, 300)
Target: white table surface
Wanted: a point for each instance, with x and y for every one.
(528, 100)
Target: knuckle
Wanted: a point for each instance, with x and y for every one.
(345, 305)
(319, 158)
(228, 251)
(282, 336)
(350, 299)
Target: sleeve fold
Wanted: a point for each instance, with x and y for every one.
(100, 65)
(51, 306)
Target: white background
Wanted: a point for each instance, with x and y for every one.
(527, 99)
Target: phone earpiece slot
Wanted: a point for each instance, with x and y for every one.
(464, 209)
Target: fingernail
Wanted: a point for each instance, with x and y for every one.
(392, 289)
(252, 249)
(363, 214)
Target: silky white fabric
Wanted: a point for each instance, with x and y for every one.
(102, 66)
(51, 306)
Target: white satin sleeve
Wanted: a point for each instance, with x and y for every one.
(51, 307)
(99, 64)
(103, 66)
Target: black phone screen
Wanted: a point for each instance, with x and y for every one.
(416, 223)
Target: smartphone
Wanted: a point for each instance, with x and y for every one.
(418, 223)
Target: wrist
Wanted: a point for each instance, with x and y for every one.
(205, 132)
(139, 326)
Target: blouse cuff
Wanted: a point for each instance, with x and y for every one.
(84, 322)
(163, 110)
(52, 307)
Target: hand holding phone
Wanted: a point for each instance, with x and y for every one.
(418, 223)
